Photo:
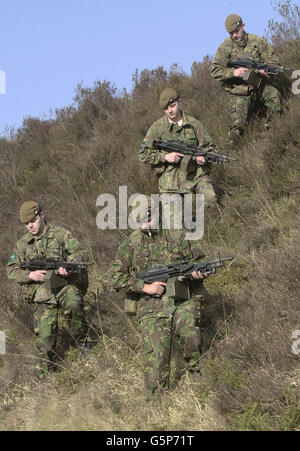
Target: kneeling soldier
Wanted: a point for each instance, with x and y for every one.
(65, 292)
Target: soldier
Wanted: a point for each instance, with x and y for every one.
(248, 96)
(160, 317)
(173, 175)
(48, 240)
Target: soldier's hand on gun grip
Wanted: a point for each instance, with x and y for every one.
(173, 157)
(38, 275)
(155, 288)
(240, 72)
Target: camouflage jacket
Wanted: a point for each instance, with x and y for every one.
(139, 252)
(55, 242)
(253, 47)
(171, 178)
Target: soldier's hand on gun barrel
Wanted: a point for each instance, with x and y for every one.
(155, 288)
(262, 72)
(198, 275)
(62, 272)
(200, 160)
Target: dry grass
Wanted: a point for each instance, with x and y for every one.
(106, 392)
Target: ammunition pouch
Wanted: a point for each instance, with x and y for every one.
(178, 289)
(131, 303)
(252, 78)
(130, 306)
(54, 280)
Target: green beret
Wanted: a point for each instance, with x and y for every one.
(233, 22)
(29, 210)
(169, 95)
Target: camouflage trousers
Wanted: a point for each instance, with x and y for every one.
(46, 320)
(264, 101)
(157, 335)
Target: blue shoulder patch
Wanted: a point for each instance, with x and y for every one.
(142, 146)
(12, 258)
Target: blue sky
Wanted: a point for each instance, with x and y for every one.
(48, 47)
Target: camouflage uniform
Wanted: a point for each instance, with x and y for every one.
(246, 100)
(160, 318)
(54, 242)
(171, 178)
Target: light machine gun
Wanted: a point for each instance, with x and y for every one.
(248, 63)
(51, 265)
(252, 76)
(194, 151)
(176, 275)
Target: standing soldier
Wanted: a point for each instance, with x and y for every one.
(174, 175)
(160, 317)
(250, 92)
(50, 241)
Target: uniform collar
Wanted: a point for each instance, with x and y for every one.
(48, 233)
(184, 120)
(242, 43)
